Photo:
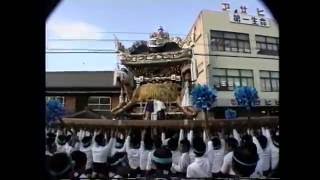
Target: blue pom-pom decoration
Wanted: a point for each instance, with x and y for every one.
(246, 96)
(230, 114)
(54, 111)
(203, 97)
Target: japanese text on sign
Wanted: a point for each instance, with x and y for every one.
(242, 18)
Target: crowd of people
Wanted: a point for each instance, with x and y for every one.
(168, 154)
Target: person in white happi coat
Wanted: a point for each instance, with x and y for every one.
(184, 160)
(146, 150)
(133, 149)
(231, 144)
(273, 144)
(100, 152)
(215, 153)
(264, 152)
(244, 161)
(200, 168)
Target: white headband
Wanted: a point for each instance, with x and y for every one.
(242, 163)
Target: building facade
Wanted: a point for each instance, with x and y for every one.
(80, 89)
(234, 49)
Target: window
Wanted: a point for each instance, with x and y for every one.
(229, 79)
(59, 98)
(269, 81)
(99, 103)
(267, 45)
(230, 41)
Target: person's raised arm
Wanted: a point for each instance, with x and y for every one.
(190, 136)
(127, 142)
(223, 143)
(110, 143)
(115, 138)
(105, 135)
(143, 133)
(163, 138)
(182, 164)
(149, 162)
(121, 136)
(205, 136)
(79, 134)
(226, 165)
(236, 135)
(263, 130)
(58, 133)
(206, 139)
(77, 140)
(181, 136)
(268, 135)
(95, 133)
(255, 141)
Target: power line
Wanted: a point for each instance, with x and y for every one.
(106, 32)
(196, 54)
(220, 55)
(77, 49)
(81, 52)
(113, 40)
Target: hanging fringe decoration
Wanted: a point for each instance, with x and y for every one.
(230, 114)
(203, 97)
(54, 111)
(246, 96)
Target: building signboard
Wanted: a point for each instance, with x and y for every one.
(242, 18)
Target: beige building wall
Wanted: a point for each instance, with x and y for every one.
(211, 20)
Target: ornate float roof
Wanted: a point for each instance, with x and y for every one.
(159, 49)
(164, 57)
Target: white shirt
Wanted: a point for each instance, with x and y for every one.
(215, 156)
(186, 100)
(164, 140)
(200, 168)
(83, 176)
(48, 153)
(88, 152)
(192, 156)
(175, 159)
(69, 149)
(100, 153)
(132, 154)
(183, 163)
(150, 164)
(264, 157)
(144, 154)
(274, 156)
(158, 106)
(114, 150)
(133, 158)
(274, 150)
(62, 148)
(226, 167)
(176, 156)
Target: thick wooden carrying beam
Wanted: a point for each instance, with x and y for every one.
(212, 124)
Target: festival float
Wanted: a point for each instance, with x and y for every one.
(155, 79)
